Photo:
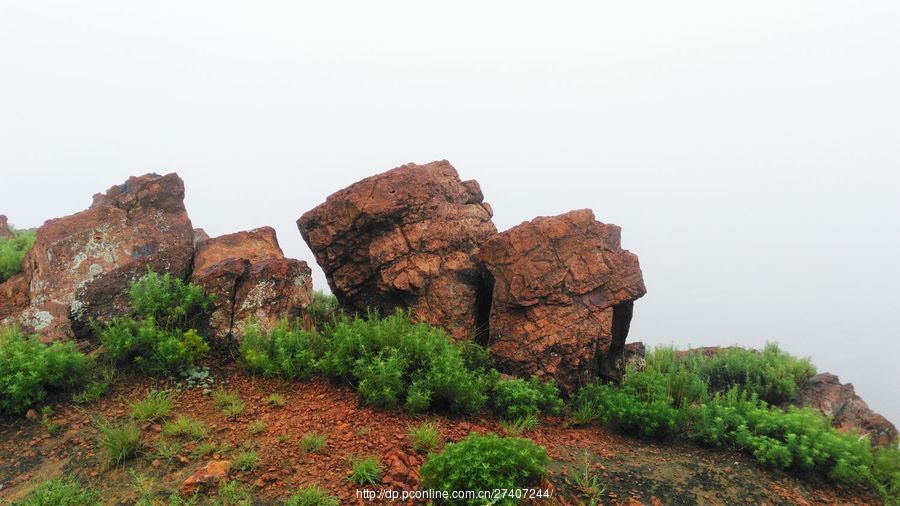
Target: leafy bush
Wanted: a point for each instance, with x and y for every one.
(365, 470)
(12, 252)
(60, 492)
(641, 405)
(395, 361)
(160, 336)
(312, 495)
(323, 309)
(773, 375)
(283, 352)
(485, 463)
(172, 303)
(28, 368)
(719, 400)
(517, 398)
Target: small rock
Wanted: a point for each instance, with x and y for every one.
(207, 476)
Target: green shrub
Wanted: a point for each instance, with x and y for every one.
(160, 337)
(98, 384)
(151, 348)
(485, 463)
(425, 437)
(365, 470)
(773, 375)
(312, 495)
(12, 252)
(28, 368)
(395, 361)
(639, 406)
(172, 303)
(323, 309)
(313, 442)
(517, 398)
(121, 441)
(60, 492)
(282, 352)
(154, 407)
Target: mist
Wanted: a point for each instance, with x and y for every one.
(750, 153)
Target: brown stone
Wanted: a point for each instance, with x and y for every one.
(206, 477)
(249, 277)
(5, 232)
(563, 289)
(405, 239)
(13, 297)
(81, 265)
(826, 393)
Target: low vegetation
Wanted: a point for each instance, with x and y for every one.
(246, 461)
(29, 369)
(516, 398)
(60, 492)
(425, 437)
(365, 470)
(185, 427)
(725, 400)
(120, 441)
(313, 442)
(486, 462)
(154, 407)
(312, 495)
(12, 252)
(161, 335)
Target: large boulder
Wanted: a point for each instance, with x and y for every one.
(826, 393)
(249, 277)
(5, 232)
(82, 265)
(405, 239)
(563, 289)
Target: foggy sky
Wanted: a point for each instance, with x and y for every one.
(751, 153)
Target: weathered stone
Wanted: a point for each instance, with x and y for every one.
(826, 393)
(405, 239)
(270, 289)
(200, 235)
(206, 477)
(5, 232)
(248, 276)
(13, 297)
(253, 245)
(563, 289)
(81, 265)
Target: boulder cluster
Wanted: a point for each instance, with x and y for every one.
(551, 297)
(81, 266)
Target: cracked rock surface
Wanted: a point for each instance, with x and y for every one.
(405, 238)
(563, 289)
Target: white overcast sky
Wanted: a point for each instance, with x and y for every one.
(750, 151)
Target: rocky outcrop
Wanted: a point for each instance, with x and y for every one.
(81, 265)
(5, 232)
(405, 239)
(13, 297)
(249, 277)
(563, 289)
(826, 393)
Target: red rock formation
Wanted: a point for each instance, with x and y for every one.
(825, 393)
(405, 238)
(562, 297)
(249, 276)
(81, 265)
(5, 232)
